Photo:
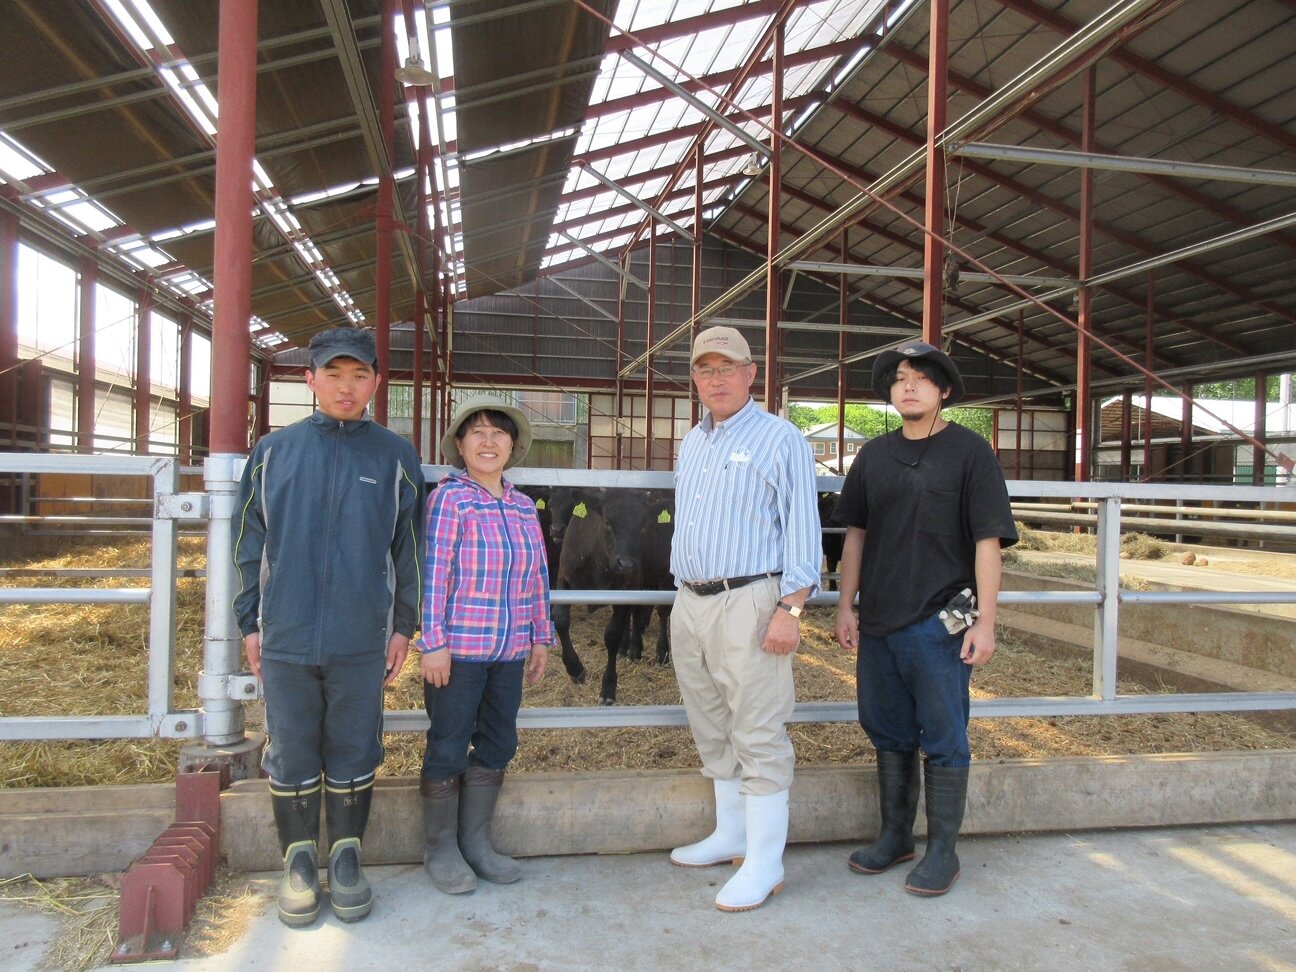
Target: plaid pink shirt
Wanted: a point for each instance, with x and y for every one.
(486, 580)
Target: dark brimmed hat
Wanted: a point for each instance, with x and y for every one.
(343, 342)
(909, 351)
(486, 403)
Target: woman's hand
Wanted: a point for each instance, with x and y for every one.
(537, 662)
(436, 668)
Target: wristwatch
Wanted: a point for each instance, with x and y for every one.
(791, 609)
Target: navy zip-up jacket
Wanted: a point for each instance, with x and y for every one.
(328, 541)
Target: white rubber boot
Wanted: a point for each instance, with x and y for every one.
(728, 843)
(762, 872)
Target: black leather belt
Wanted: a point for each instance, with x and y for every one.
(708, 588)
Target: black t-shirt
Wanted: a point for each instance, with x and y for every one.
(924, 504)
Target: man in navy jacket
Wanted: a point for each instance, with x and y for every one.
(328, 549)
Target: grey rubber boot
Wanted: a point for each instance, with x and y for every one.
(350, 896)
(946, 797)
(441, 857)
(297, 819)
(477, 799)
(898, 788)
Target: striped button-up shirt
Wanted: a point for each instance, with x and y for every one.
(486, 584)
(745, 502)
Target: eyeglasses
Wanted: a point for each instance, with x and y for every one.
(724, 370)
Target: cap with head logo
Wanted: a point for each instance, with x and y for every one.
(721, 340)
(343, 342)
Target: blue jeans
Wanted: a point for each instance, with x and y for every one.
(913, 692)
(477, 708)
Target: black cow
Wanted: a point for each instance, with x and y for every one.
(553, 507)
(603, 548)
(832, 542)
(658, 534)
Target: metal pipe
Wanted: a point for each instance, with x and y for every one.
(223, 722)
(235, 143)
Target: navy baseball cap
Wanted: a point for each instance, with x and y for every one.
(343, 342)
(885, 362)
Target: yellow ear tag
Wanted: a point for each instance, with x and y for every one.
(540, 504)
(663, 516)
(579, 512)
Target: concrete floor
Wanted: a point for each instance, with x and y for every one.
(1140, 900)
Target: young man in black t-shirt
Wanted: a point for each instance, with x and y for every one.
(927, 513)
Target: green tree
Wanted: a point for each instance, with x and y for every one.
(804, 416)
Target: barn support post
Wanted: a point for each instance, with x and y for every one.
(1126, 433)
(224, 740)
(86, 363)
(843, 319)
(1258, 452)
(416, 367)
(1084, 423)
(937, 110)
(695, 295)
(383, 220)
(773, 300)
(650, 320)
(184, 393)
(1021, 393)
(1149, 362)
(143, 371)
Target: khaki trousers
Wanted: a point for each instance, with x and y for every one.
(738, 698)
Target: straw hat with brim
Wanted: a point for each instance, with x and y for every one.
(450, 448)
(885, 362)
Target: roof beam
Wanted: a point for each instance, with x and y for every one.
(639, 203)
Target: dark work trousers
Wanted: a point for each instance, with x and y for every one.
(322, 718)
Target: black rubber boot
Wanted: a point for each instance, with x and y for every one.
(297, 818)
(347, 805)
(946, 797)
(477, 799)
(442, 858)
(898, 801)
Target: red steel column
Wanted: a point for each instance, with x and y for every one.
(143, 371)
(9, 325)
(1148, 362)
(1258, 454)
(934, 238)
(416, 425)
(235, 144)
(695, 299)
(1021, 393)
(1127, 411)
(1084, 419)
(649, 321)
(86, 362)
(184, 393)
(773, 300)
(383, 241)
(1186, 433)
(843, 318)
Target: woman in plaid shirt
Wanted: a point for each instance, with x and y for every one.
(485, 627)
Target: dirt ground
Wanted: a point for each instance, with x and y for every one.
(59, 659)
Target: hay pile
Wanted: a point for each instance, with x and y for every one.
(59, 659)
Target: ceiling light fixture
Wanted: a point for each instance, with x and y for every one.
(753, 166)
(414, 72)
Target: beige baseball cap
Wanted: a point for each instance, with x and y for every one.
(721, 340)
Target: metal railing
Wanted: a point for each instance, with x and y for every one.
(223, 687)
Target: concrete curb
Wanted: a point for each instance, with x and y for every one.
(85, 830)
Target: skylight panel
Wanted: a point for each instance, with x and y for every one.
(18, 163)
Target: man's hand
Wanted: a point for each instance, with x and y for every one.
(436, 668)
(783, 635)
(847, 630)
(397, 649)
(537, 663)
(252, 645)
(978, 643)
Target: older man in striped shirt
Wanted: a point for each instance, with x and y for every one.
(746, 557)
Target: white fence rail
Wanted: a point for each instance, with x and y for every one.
(224, 688)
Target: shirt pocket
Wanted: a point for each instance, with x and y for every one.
(940, 512)
(484, 551)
